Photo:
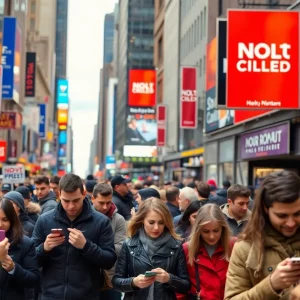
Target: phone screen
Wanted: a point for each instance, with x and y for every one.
(2, 235)
(58, 230)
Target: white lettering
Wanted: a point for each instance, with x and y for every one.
(142, 88)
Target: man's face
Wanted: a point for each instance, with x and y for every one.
(122, 189)
(183, 203)
(72, 203)
(102, 203)
(285, 217)
(42, 190)
(54, 188)
(238, 208)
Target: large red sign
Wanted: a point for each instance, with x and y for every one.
(161, 126)
(142, 88)
(263, 60)
(188, 98)
(3, 151)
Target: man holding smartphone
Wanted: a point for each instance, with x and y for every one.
(73, 243)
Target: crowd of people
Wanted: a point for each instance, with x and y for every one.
(66, 238)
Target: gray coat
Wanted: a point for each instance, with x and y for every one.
(48, 203)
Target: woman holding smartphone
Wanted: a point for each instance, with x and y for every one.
(207, 254)
(19, 268)
(152, 263)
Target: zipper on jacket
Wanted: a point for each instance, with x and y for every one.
(66, 269)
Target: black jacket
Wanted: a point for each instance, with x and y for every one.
(68, 272)
(174, 210)
(220, 198)
(26, 224)
(124, 205)
(48, 203)
(26, 275)
(133, 261)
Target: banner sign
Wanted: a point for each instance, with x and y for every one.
(62, 93)
(13, 174)
(141, 126)
(42, 127)
(263, 67)
(266, 142)
(30, 74)
(3, 151)
(10, 120)
(188, 98)
(161, 125)
(142, 88)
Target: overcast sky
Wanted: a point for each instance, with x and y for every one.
(85, 55)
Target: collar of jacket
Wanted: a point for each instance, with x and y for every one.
(203, 251)
(225, 211)
(285, 247)
(112, 211)
(87, 213)
(50, 196)
(23, 217)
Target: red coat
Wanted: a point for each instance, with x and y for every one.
(212, 273)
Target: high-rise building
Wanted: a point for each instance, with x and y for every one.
(109, 26)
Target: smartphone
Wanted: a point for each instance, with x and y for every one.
(150, 274)
(2, 235)
(58, 230)
(295, 260)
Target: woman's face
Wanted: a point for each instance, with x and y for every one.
(154, 224)
(4, 223)
(192, 218)
(211, 233)
(138, 199)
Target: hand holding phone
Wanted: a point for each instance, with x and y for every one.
(2, 235)
(58, 231)
(295, 260)
(54, 239)
(150, 274)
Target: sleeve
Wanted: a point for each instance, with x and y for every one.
(39, 237)
(120, 280)
(103, 253)
(49, 206)
(120, 234)
(27, 274)
(238, 282)
(180, 282)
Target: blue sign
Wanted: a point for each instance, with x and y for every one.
(62, 93)
(8, 56)
(110, 160)
(62, 137)
(42, 130)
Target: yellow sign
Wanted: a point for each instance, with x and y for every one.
(49, 136)
(193, 152)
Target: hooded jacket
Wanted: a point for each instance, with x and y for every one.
(235, 226)
(68, 272)
(48, 203)
(248, 278)
(220, 198)
(33, 211)
(124, 205)
(26, 274)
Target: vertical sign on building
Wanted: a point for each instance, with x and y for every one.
(42, 127)
(188, 98)
(161, 125)
(3, 151)
(263, 59)
(30, 74)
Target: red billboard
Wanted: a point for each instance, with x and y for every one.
(188, 98)
(263, 60)
(142, 88)
(161, 125)
(3, 151)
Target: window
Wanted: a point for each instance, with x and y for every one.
(204, 25)
(198, 29)
(192, 37)
(200, 68)
(201, 26)
(204, 64)
(195, 34)
(32, 24)
(160, 50)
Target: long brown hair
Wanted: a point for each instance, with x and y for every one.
(283, 187)
(159, 207)
(16, 229)
(206, 214)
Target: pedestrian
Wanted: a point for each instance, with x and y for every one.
(19, 272)
(33, 209)
(172, 195)
(203, 190)
(46, 198)
(54, 183)
(261, 266)
(152, 263)
(89, 187)
(102, 201)
(236, 210)
(121, 196)
(208, 253)
(187, 221)
(74, 242)
(17, 201)
(5, 188)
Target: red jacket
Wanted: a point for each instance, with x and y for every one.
(212, 273)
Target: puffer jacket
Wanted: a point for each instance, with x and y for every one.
(134, 261)
(68, 272)
(26, 274)
(248, 278)
(48, 203)
(33, 211)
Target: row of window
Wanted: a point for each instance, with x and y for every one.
(194, 34)
(186, 6)
(202, 66)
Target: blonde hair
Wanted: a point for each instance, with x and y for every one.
(159, 207)
(206, 214)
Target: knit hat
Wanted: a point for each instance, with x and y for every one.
(17, 198)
